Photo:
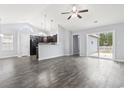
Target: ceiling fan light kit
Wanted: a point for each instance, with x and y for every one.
(75, 12)
(74, 15)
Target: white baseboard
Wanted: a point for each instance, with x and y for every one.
(118, 60)
(23, 56)
(83, 55)
(8, 56)
(67, 54)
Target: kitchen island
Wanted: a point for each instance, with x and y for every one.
(47, 51)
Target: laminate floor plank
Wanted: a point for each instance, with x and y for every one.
(61, 72)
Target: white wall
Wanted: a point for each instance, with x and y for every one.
(67, 42)
(92, 45)
(23, 46)
(119, 39)
(64, 38)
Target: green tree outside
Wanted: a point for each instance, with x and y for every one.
(105, 39)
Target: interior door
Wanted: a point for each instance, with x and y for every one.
(33, 45)
(75, 45)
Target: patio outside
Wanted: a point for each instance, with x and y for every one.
(104, 46)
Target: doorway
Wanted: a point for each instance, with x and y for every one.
(34, 46)
(100, 45)
(76, 50)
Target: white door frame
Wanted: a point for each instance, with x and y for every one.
(113, 43)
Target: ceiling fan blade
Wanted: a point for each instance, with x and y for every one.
(79, 16)
(66, 13)
(69, 17)
(81, 11)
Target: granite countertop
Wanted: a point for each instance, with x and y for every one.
(47, 43)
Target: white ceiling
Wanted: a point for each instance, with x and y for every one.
(104, 14)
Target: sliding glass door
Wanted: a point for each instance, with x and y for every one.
(105, 45)
(100, 45)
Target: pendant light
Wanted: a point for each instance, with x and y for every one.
(51, 22)
(45, 22)
(1, 35)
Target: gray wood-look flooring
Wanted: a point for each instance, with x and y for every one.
(62, 72)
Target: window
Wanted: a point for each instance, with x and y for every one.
(7, 42)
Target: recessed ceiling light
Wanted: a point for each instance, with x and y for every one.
(51, 20)
(95, 21)
(1, 35)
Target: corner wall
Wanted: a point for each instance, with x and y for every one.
(64, 40)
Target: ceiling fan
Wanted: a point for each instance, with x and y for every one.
(75, 12)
